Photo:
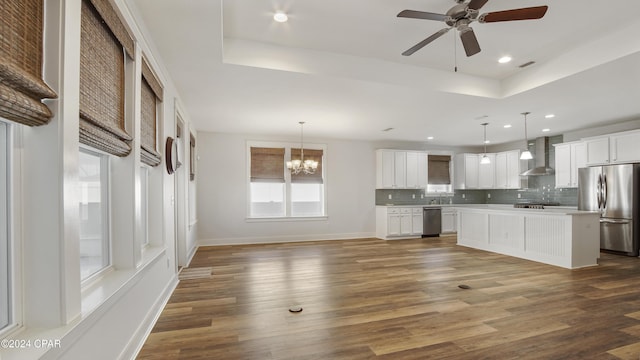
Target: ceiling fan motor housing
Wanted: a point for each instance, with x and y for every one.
(460, 13)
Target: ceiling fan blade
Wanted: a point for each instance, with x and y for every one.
(413, 14)
(476, 4)
(426, 41)
(469, 41)
(530, 13)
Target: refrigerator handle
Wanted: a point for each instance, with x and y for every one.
(599, 192)
(604, 191)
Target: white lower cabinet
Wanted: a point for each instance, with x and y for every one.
(449, 220)
(398, 222)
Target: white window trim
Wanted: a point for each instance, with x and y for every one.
(12, 134)
(287, 178)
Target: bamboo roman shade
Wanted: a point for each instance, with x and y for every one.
(439, 169)
(102, 95)
(309, 154)
(150, 94)
(21, 86)
(267, 164)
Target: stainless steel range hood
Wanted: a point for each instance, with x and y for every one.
(541, 158)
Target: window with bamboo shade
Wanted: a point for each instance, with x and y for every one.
(104, 44)
(151, 94)
(22, 88)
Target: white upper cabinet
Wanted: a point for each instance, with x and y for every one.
(501, 170)
(398, 169)
(563, 165)
(466, 171)
(618, 148)
(624, 147)
(514, 168)
(569, 158)
(416, 170)
(487, 172)
(507, 170)
(597, 150)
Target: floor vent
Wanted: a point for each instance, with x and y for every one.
(195, 273)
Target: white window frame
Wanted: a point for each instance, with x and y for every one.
(105, 186)
(9, 256)
(287, 177)
(144, 205)
(11, 172)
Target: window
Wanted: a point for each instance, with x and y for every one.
(439, 174)
(5, 244)
(275, 193)
(94, 217)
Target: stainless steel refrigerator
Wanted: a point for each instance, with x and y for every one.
(613, 191)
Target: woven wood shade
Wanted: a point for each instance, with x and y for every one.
(111, 18)
(439, 169)
(152, 80)
(21, 86)
(148, 126)
(101, 86)
(267, 164)
(309, 154)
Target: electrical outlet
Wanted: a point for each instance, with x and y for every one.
(463, 196)
(421, 196)
(413, 196)
(389, 196)
(488, 196)
(518, 196)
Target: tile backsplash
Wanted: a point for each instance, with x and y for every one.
(541, 189)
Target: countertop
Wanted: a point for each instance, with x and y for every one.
(560, 210)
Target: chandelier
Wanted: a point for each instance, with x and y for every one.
(301, 165)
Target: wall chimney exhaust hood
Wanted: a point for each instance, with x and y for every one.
(541, 158)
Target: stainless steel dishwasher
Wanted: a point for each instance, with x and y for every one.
(431, 221)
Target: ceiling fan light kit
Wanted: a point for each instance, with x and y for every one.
(460, 16)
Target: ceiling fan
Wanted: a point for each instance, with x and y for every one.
(462, 15)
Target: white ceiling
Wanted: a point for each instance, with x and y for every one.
(338, 66)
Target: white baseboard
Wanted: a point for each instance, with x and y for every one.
(282, 239)
(138, 339)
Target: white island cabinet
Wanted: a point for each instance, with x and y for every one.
(560, 237)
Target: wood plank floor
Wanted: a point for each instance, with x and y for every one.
(375, 299)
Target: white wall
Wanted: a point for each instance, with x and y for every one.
(222, 193)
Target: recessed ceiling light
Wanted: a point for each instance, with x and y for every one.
(504, 59)
(546, 130)
(549, 116)
(487, 141)
(430, 138)
(280, 17)
(507, 126)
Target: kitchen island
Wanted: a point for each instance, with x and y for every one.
(562, 237)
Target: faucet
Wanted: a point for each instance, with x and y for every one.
(439, 198)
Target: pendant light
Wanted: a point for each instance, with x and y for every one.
(526, 154)
(301, 165)
(485, 159)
